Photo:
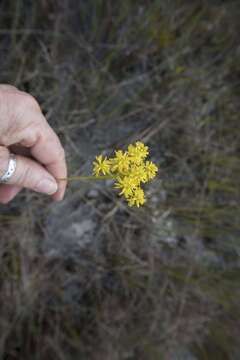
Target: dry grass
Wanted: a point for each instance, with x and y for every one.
(90, 278)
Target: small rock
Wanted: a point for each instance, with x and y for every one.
(80, 228)
(93, 194)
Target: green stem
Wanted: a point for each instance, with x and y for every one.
(72, 178)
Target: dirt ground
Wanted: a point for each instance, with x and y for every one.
(90, 277)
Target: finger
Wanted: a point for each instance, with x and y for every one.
(28, 174)
(49, 151)
(8, 192)
(31, 130)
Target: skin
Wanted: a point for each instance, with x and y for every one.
(40, 156)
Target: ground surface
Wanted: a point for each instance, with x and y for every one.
(90, 278)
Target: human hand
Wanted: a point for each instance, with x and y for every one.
(39, 154)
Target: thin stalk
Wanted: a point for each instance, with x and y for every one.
(72, 178)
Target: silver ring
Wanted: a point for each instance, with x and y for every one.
(12, 164)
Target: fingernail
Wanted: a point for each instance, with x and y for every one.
(60, 194)
(47, 186)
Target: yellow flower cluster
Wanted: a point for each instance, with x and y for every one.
(129, 170)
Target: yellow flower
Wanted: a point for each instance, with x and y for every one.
(138, 172)
(129, 170)
(126, 184)
(120, 162)
(137, 198)
(101, 165)
(150, 170)
(143, 149)
(138, 152)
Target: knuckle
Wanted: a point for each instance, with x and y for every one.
(27, 100)
(19, 105)
(7, 87)
(20, 111)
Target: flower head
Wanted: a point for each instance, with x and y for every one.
(129, 170)
(137, 152)
(126, 184)
(150, 170)
(120, 162)
(137, 198)
(138, 172)
(101, 165)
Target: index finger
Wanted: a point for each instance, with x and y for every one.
(48, 151)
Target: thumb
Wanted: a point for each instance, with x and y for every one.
(28, 174)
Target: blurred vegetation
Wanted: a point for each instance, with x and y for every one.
(161, 282)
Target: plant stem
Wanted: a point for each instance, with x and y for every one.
(72, 178)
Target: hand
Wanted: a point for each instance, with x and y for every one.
(25, 131)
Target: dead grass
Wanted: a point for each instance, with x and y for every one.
(149, 284)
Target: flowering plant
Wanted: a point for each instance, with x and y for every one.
(129, 170)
